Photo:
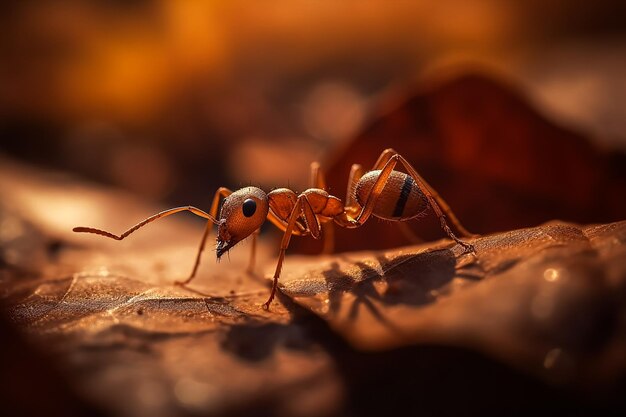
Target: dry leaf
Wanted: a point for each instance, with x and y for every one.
(538, 311)
(546, 299)
(131, 342)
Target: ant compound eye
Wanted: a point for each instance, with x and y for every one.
(249, 207)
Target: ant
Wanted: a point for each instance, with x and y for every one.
(381, 192)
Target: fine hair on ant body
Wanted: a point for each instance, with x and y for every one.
(381, 192)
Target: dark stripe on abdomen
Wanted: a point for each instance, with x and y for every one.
(404, 196)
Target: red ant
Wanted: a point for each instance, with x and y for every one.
(382, 192)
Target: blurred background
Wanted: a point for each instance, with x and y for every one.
(171, 100)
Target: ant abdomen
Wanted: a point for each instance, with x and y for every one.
(401, 198)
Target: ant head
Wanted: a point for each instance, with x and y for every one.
(243, 212)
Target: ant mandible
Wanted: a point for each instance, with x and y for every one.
(381, 192)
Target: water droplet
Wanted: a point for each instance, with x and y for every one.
(551, 274)
(103, 272)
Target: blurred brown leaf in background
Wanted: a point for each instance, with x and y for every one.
(497, 162)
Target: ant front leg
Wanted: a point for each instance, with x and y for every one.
(328, 228)
(252, 259)
(301, 208)
(222, 192)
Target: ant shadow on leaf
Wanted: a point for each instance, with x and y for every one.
(413, 280)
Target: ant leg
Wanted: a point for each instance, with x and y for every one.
(436, 201)
(221, 192)
(302, 207)
(374, 194)
(196, 264)
(317, 178)
(440, 207)
(311, 220)
(282, 225)
(295, 212)
(402, 226)
(319, 181)
(252, 259)
(389, 153)
(356, 172)
(328, 233)
(379, 185)
(384, 157)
